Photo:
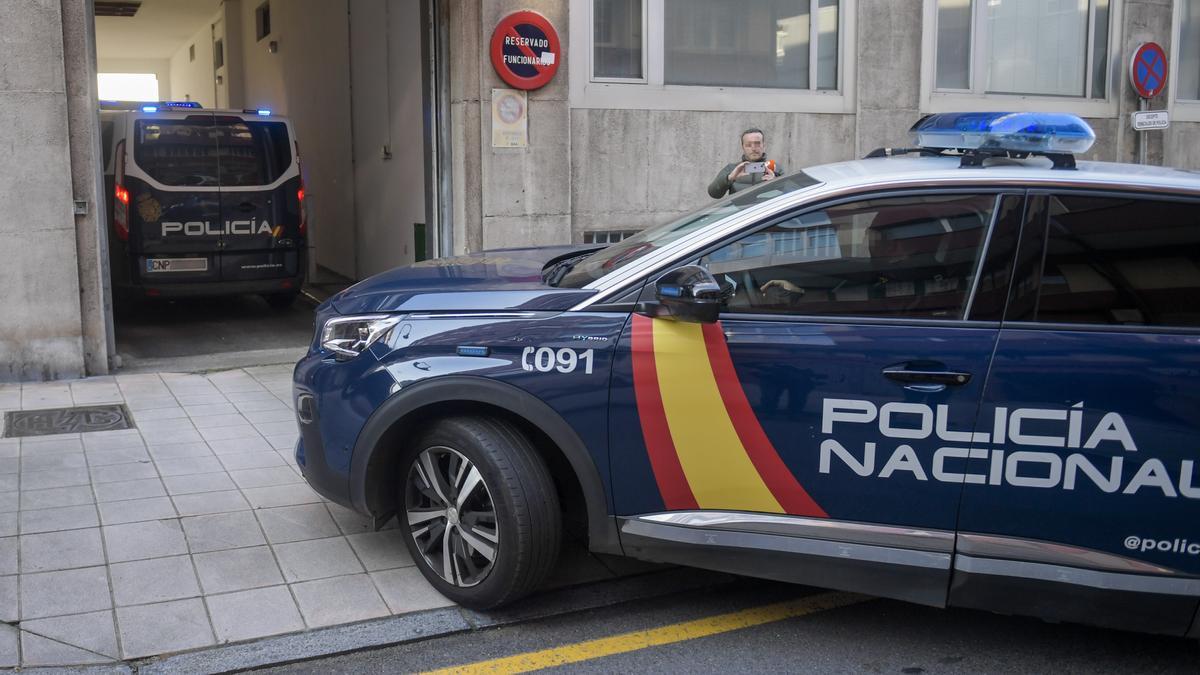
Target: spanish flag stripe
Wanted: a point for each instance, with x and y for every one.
(717, 467)
(664, 461)
(792, 496)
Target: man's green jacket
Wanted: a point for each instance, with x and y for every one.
(720, 186)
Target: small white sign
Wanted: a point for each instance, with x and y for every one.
(548, 58)
(1146, 120)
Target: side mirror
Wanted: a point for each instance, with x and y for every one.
(687, 293)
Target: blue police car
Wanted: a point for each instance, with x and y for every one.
(961, 374)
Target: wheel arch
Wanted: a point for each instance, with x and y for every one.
(404, 414)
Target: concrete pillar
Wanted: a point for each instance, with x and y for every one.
(91, 228)
(508, 196)
(467, 60)
(1143, 21)
(40, 332)
(888, 99)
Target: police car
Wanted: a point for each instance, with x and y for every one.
(203, 202)
(963, 374)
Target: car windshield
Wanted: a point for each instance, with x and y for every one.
(607, 260)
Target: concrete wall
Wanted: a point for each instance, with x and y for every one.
(308, 79)
(388, 111)
(160, 67)
(40, 331)
(192, 78)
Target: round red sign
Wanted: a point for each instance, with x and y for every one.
(525, 50)
(1148, 70)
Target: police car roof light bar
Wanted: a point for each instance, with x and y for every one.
(978, 136)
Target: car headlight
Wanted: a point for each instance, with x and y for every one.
(352, 335)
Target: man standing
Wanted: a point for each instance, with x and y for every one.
(752, 170)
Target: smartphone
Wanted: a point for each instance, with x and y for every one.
(756, 167)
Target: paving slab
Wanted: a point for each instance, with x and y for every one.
(192, 530)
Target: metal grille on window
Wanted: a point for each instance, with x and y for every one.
(606, 236)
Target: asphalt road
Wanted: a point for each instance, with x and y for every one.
(866, 636)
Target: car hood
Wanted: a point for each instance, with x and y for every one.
(503, 279)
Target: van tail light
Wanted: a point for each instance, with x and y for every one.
(121, 213)
(300, 192)
(303, 211)
(121, 203)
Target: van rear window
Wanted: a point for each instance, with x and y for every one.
(210, 152)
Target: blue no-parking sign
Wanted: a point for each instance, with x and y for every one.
(1148, 69)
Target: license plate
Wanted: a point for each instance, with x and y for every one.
(176, 264)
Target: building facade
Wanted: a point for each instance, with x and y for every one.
(646, 106)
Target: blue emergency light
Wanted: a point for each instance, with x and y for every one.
(181, 104)
(1033, 133)
(149, 108)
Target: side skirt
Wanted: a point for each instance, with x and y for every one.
(1138, 602)
(908, 574)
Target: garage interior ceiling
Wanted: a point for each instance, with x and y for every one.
(157, 31)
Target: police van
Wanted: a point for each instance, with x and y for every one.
(965, 373)
(203, 202)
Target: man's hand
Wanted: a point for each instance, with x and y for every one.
(768, 174)
(737, 171)
(782, 284)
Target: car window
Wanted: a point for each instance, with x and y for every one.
(1114, 261)
(895, 257)
(207, 152)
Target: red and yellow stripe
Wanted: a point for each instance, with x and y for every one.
(706, 446)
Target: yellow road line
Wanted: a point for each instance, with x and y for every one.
(679, 632)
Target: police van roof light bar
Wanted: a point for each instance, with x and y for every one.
(979, 136)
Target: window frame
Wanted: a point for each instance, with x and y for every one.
(652, 93)
(1025, 246)
(998, 193)
(976, 99)
(1179, 109)
(644, 79)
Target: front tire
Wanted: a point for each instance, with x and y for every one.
(481, 515)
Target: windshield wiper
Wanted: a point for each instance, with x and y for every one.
(554, 274)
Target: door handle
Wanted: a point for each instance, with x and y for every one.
(247, 207)
(935, 377)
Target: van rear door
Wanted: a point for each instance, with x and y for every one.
(174, 198)
(260, 184)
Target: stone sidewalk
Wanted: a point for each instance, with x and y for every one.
(192, 529)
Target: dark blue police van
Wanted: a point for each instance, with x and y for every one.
(203, 203)
(963, 374)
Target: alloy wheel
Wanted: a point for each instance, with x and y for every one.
(451, 516)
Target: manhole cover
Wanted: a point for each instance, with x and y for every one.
(19, 423)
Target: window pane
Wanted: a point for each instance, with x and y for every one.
(1100, 51)
(754, 43)
(827, 44)
(617, 39)
(1188, 64)
(1037, 46)
(1121, 261)
(908, 256)
(954, 44)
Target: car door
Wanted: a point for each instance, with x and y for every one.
(1084, 502)
(833, 402)
(260, 204)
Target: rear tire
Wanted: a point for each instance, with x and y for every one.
(281, 300)
(494, 501)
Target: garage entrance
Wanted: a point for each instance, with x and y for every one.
(355, 81)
